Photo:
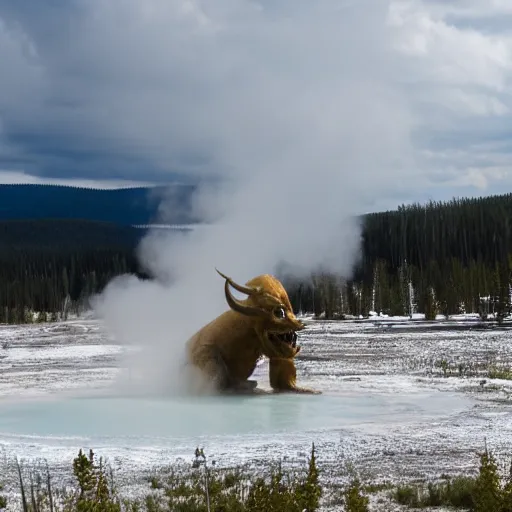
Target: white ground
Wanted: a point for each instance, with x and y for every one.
(386, 407)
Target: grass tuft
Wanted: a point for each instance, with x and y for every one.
(203, 489)
(484, 493)
(500, 373)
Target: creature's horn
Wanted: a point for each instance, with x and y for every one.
(235, 304)
(243, 289)
(241, 308)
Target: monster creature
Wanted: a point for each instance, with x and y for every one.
(227, 349)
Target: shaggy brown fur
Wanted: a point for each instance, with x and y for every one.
(227, 349)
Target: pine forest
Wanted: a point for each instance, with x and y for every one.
(434, 259)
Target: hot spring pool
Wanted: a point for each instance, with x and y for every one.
(119, 419)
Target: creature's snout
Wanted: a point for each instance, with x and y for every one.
(298, 324)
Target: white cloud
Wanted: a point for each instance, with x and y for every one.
(458, 64)
(448, 55)
(473, 9)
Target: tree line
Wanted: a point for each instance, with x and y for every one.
(49, 268)
(439, 258)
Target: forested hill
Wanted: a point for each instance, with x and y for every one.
(435, 258)
(131, 206)
(35, 237)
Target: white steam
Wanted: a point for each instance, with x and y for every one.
(304, 140)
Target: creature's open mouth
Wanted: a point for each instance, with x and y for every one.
(289, 337)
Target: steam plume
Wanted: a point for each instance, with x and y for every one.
(305, 148)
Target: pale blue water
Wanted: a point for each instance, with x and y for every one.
(181, 418)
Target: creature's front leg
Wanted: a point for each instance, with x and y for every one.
(283, 375)
(217, 372)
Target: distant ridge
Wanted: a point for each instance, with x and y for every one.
(67, 235)
(76, 186)
(125, 206)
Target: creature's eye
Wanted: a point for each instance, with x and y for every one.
(279, 312)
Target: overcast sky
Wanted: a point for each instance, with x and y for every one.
(138, 91)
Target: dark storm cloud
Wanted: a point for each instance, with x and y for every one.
(103, 89)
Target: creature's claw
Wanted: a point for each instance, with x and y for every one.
(247, 387)
(302, 391)
(308, 391)
(248, 384)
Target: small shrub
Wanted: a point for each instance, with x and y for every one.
(353, 498)
(231, 491)
(459, 492)
(487, 491)
(93, 491)
(500, 373)
(373, 488)
(3, 499)
(435, 495)
(407, 495)
(483, 493)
